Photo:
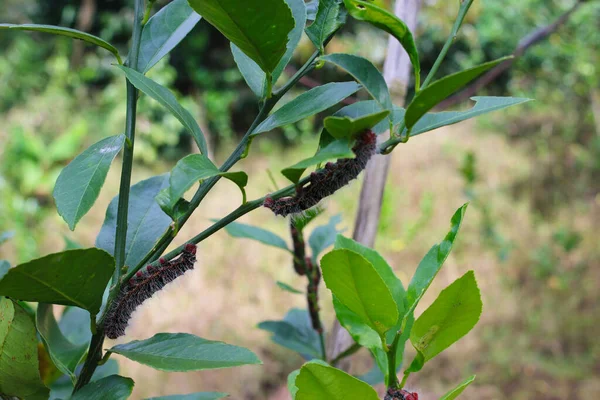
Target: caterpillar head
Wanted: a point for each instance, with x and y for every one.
(190, 248)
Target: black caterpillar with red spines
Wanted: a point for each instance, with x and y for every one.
(328, 180)
(142, 286)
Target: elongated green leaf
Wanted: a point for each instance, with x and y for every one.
(365, 73)
(310, 103)
(19, 366)
(288, 288)
(197, 167)
(146, 222)
(79, 183)
(260, 28)
(295, 332)
(451, 316)
(163, 32)
(343, 127)
(264, 236)
(361, 332)
(74, 323)
(358, 286)
(362, 109)
(336, 149)
(311, 9)
(388, 22)
(113, 387)
(429, 97)
(184, 352)
(432, 262)
(68, 32)
(254, 76)
(71, 278)
(454, 393)
(329, 17)
(324, 236)
(483, 105)
(64, 354)
(193, 396)
(167, 100)
(317, 381)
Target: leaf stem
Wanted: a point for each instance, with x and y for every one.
(242, 148)
(393, 378)
(95, 349)
(462, 12)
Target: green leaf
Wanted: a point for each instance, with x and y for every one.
(312, 7)
(454, 393)
(358, 286)
(64, 354)
(79, 183)
(361, 332)
(451, 316)
(310, 103)
(260, 28)
(362, 109)
(19, 366)
(302, 220)
(193, 396)
(365, 73)
(388, 22)
(197, 167)
(291, 383)
(317, 381)
(295, 332)
(68, 32)
(343, 127)
(483, 105)
(264, 236)
(74, 323)
(252, 73)
(71, 278)
(167, 100)
(4, 267)
(432, 262)
(429, 97)
(329, 18)
(146, 222)
(180, 352)
(288, 288)
(324, 236)
(381, 266)
(163, 32)
(336, 149)
(113, 387)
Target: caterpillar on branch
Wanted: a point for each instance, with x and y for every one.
(328, 180)
(142, 286)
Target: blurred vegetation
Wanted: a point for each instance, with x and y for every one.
(52, 106)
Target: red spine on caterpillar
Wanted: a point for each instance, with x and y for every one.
(142, 286)
(400, 394)
(328, 180)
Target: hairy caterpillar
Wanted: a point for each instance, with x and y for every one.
(328, 180)
(400, 394)
(142, 286)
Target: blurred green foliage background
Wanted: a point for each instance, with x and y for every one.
(535, 215)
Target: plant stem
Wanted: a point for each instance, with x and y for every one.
(462, 12)
(235, 156)
(95, 349)
(393, 378)
(346, 353)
